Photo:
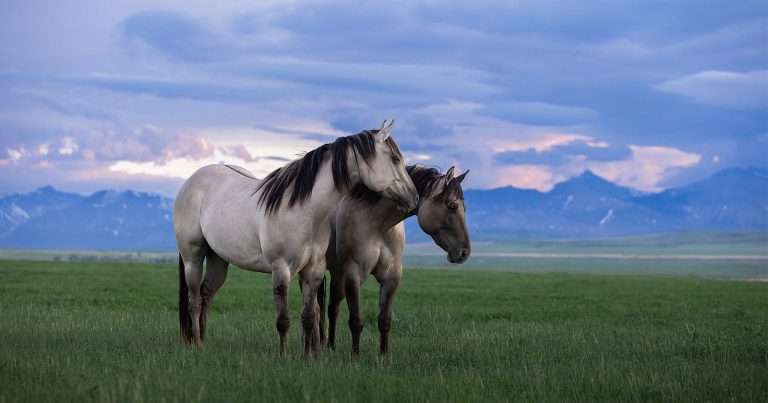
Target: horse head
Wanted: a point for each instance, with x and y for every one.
(385, 172)
(441, 214)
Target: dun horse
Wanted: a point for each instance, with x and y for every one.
(368, 236)
(278, 225)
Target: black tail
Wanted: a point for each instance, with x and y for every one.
(185, 320)
(321, 303)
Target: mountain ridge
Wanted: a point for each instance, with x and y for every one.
(585, 206)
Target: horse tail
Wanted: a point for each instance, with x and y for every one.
(321, 302)
(185, 320)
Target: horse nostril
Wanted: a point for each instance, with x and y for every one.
(464, 253)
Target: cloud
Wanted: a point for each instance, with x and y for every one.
(194, 89)
(403, 79)
(722, 88)
(563, 153)
(456, 132)
(623, 47)
(539, 177)
(539, 89)
(647, 168)
(175, 34)
(184, 167)
(257, 150)
(241, 153)
(541, 113)
(68, 146)
(466, 123)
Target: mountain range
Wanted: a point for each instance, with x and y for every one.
(585, 206)
(734, 199)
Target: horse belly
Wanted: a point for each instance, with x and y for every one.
(257, 263)
(233, 235)
(237, 244)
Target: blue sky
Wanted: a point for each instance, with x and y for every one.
(649, 94)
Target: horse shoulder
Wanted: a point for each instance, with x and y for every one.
(345, 221)
(394, 239)
(390, 252)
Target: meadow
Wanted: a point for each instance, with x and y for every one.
(109, 332)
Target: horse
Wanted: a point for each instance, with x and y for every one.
(279, 225)
(368, 236)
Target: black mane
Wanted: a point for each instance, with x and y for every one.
(300, 175)
(423, 178)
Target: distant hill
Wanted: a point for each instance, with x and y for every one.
(16, 210)
(585, 206)
(103, 220)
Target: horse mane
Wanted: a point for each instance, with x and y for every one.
(300, 175)
(423, 178)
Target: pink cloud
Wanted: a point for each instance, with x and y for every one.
(114, 148)
(537, 177)
(241, 152)
(647, 167)
(88, 154)
(187, 146)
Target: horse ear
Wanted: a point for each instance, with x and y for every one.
(462, 176)
(384, 132)
(448, 176)
(382, 125)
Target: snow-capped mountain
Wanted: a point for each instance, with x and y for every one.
(735, 199)
(16, 209)
(104, 220)
(584, 206)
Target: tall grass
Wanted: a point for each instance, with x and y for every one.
(109, 332)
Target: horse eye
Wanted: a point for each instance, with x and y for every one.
(395, 159)
(452, 206)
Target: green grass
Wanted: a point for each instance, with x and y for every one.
(722, 269)
(108, 332)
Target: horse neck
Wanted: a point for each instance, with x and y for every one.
(325, 195)
(418, 210)
(385, 214)
(371, 220)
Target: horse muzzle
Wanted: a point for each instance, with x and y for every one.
(459, 256)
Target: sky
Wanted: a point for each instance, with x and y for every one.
(139, 94)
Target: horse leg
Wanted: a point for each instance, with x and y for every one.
(193, 276)
(387, 290)
(337, 295)
(311, 278)
(352, 291)
(216, 270)
(281, 278)
(321, 306)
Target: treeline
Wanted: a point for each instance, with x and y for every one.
(118, 258)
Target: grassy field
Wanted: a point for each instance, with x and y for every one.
(720, 269)
(108, 332)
